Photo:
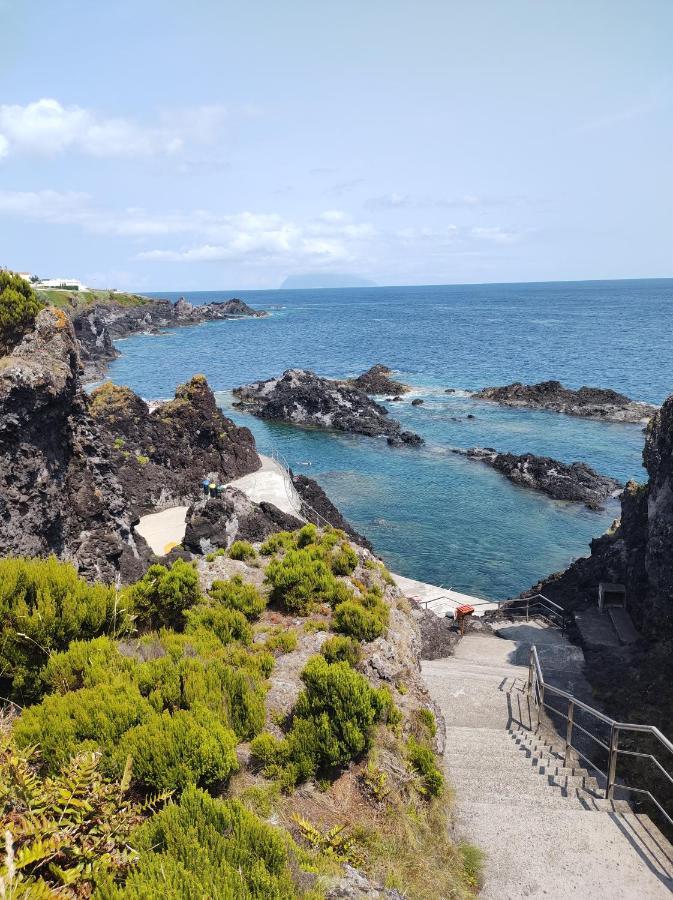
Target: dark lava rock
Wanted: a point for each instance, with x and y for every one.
(59, 492)
(215, 523)
(405, 438)
(304, 398)
(315, 500)
(588, 402)
(97, 326)
(438, 637)
(161, 457)
(417, 402)
(576, 482)
(377, 380)
(450, 391)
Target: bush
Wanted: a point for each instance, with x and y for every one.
(236, 696)
(242, 550)
(163, 594)
(342, 649)
(281, 540)
(307, 535)
(236, 594)
(332, 723)
(300, 580)
(227, 624)
(44, 605)
(344, 561)
(83, 720)
(202, 847)
(364, 618)
(422, 761)
(85, 664)
(19, 307)
(170, 752)
(282, 641)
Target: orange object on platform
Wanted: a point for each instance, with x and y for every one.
(464, 610)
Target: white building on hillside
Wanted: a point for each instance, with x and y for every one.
(60, 284)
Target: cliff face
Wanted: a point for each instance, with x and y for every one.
(638, 549)
(161, 457)
(76, 472)
(58, 491)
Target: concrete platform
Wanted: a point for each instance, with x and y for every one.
(441, 600)
(271, 484)
(163, 530)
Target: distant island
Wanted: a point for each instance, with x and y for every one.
(326, 280)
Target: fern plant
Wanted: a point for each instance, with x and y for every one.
(64, 832)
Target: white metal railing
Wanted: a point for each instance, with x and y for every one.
(539, 691)
(536, 606)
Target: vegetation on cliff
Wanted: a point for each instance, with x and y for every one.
(127, 769)
(19, 306)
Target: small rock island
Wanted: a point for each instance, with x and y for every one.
(587, 402)
(377, 380)
(575, 482)
(301, 397)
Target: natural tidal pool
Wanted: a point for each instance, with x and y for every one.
(430, 513)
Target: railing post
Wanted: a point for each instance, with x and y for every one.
(530, 670)
(527, 605)
(569, 733)
(612, 763)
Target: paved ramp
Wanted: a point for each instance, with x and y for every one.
(546, 829)
(163, 530)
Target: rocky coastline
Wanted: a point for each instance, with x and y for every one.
(97, 326)
(587, 402)
(574, 482)
(300, 397)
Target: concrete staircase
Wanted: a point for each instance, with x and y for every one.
(546, 829)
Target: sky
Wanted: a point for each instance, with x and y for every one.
(165, 145)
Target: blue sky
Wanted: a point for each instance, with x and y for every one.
(168, 145)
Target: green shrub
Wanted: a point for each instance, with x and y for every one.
(141, 459)
(427, 721)
(299, 580)
(342, 649)
(19, 307)
(422, 760)
(332, 723)
(83, 720)
(307, 535)
(282, 641)
(236, 594)
(163, 594)
(227, 624)
(44, 605)
(364, 618)
(202, 847)
(85, 664)
(281, 540)
(344, 561)
(172, 751)
(235, 695)
(242, 550)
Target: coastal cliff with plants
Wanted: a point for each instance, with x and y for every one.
(244, 717)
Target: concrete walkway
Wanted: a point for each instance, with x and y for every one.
(272, 484)
(545, 829)
(438, 599)
(163, 530)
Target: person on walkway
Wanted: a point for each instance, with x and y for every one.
(205, 485)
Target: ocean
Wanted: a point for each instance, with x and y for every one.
(431, 514)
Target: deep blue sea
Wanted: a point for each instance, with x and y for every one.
(431, 514)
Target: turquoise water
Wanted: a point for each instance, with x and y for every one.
(432, 514)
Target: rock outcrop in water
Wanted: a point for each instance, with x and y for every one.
(162, 456)
(98, 326)
(304, 398)
(587, 402)
(315, 500)
(377, 380)
(574, 482)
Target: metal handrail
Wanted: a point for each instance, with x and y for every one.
(539, 606)
(538, 689)
(291, 491)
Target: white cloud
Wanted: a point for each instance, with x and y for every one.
(265, 240)
(47, 128)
